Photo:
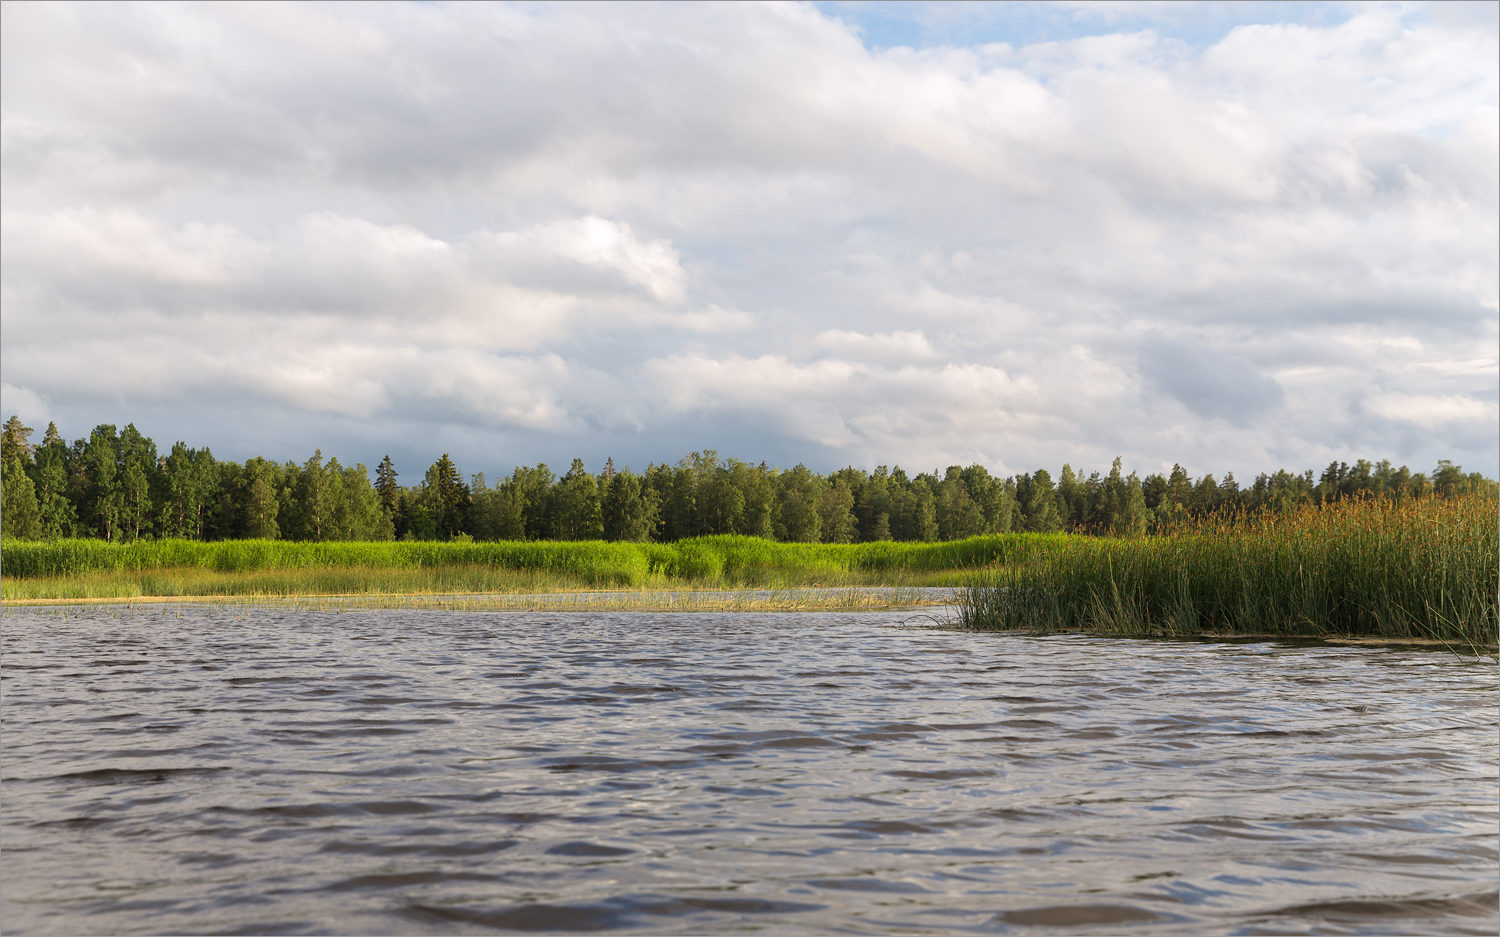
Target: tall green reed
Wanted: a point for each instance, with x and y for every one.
(1416, 569)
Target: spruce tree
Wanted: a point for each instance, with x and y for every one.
(578, 511)
(385, 484)
(446, 497)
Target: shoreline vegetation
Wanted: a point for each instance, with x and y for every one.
(1422, 569)
(116, 487)
(1364, 550)
(87, 569)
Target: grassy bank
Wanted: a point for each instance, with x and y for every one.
(88, 569)
(1419, 569)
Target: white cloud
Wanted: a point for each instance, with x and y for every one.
(604, 245)
(886, 346)
(1433, 408)
(712, 318)
(25, 403)
(590, 226)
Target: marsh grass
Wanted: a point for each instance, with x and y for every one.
(81, 570)
(443, 580)
(616, 563)
(1415, 569)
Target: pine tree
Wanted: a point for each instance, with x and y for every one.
(13, 441)
(1449, 479)
(19, 516)
(1179, 485)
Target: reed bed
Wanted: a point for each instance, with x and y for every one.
(1416, 569)
(592, 561)
(93, 569)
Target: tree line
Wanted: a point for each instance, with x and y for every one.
(115, 485)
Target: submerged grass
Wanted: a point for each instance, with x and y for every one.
(816, 599)
(382, 581)
(1416, 569)
(858, 598)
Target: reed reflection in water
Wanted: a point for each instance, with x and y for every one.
(243, 770)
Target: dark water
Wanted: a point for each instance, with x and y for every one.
(253, 771)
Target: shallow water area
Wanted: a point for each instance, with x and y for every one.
(193, 769)
(801, 598)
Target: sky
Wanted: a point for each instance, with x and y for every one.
(1236, 236)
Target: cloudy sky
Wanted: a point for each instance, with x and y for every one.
(1238, 236)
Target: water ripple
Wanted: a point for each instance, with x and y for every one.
(283, 771)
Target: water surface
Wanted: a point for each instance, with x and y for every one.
(238, 770)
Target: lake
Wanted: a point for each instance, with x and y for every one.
(240, 770)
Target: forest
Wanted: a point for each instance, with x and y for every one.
(115, 485)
